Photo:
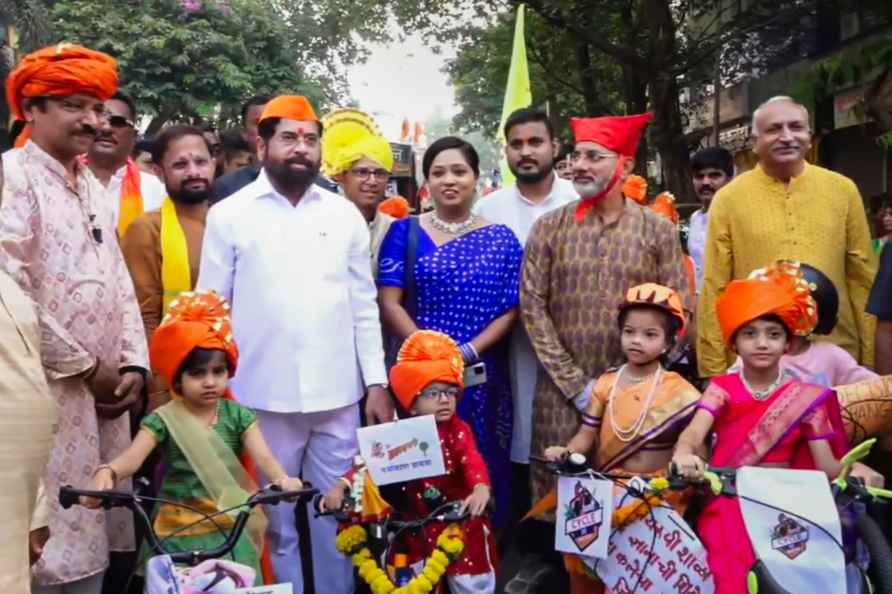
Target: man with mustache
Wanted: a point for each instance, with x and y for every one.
(787, 209)
(163, 247)
(712, 168)
(579, 262)
(109, 160)
(530, 150)
(293, 260)
(57, 241)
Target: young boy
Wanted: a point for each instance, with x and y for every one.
(427, 380)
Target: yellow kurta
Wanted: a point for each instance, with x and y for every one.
(819, 220)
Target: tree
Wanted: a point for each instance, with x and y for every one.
(181, 63)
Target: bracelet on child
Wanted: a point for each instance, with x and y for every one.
(469, 353)
(110, 469)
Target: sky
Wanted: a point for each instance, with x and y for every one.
(402, 80)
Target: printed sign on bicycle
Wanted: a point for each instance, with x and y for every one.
(658, 554)
(583, 517)
(404, 450)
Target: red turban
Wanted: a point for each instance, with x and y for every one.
(289, 107)
(780, 290)
(197, 319)
(619, 134)
(426, 357)
(59, 71)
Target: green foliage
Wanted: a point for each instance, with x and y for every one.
(851, 67)
(30, 19)
(178, 65)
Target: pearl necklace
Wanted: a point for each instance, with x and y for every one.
(453, 228)
(628, 434)
(763, 394)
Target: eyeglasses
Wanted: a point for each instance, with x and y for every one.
(438, 394)
(117, 121)
(592, 156)
(364, 174)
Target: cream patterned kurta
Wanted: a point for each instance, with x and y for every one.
(85, 308)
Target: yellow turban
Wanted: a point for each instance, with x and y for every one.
(349, 136)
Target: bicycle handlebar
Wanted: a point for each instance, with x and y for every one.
(69, 496)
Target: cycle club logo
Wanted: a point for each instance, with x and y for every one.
(789, 537)
(583, 516)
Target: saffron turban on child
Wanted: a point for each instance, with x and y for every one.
(59, 71)
(425, 357)
(778, 290)
(395, 206)
(198, 319)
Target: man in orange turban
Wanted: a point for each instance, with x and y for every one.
(579, 261)
(57, 232)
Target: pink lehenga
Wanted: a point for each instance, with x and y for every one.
(751, 432)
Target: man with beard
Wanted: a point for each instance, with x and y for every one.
(530, 151)
(109, 160)
(712, 168)
(57, 241)
(293, 260)
(787, 209)
(163, 248)
(580, 260)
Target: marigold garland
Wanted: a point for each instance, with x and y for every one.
(351, 542)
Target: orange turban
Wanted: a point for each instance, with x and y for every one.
(664, 204)
(197, 319)
(780, 290)
(59, 71)
(635, 188)
(654, 295)
(289, 107)
(424, 358)
(395, 206)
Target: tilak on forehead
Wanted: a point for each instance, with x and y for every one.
(619, 134)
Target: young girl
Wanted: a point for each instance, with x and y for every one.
(202, 432)
(636, 412)
(428, 380)
(760, 416)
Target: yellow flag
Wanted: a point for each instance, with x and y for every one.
(517, 91)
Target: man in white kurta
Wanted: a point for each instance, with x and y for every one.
(293, 260)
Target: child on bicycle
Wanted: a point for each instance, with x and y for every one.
(636, 412)
(760, 416)
(428, 380)
(202, 433)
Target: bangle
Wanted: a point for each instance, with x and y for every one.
(110, 469)
(469, 353)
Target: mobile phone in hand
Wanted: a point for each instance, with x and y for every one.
(475, 375)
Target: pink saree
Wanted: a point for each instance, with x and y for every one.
(752, 432)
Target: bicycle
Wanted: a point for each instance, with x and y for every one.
(169, 564)
(845, 489)
(650, 547)
(370, 544)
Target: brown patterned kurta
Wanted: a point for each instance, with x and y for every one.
(574, 278)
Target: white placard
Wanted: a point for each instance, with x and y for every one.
(661, 550)
(272, 589)
(582, 520)
(402, 451)
(798, 554)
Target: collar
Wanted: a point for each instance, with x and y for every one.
(760, 171)
(34, 152)
(552, 191)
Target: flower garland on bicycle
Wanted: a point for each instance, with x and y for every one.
(636, 412)
(428, 379)
(760, 415)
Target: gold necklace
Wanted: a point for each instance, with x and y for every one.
(768, 391)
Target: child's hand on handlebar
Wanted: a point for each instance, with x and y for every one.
(556, 453)
(689, 466)
(334, 499)
(103, 480)
(288, 484)
(476, 501)
(871, 477)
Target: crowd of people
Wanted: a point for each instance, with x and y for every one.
(251, 283)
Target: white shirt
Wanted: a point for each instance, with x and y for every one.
(509, 207)
(697, 243)
(304, 310)
(150, 187)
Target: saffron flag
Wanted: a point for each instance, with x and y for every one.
(517, 91)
